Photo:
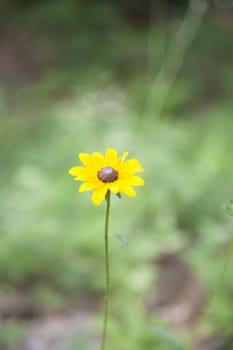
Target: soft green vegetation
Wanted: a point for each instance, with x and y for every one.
(52, 237)
(10, 333)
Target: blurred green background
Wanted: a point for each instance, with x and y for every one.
(155, 79)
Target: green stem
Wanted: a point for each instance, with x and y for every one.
(107, 285)
(213, 295)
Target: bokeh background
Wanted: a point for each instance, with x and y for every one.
(151, 77)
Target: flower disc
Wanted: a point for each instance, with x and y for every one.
(108, 174)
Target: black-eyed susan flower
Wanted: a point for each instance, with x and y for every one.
(102, 173)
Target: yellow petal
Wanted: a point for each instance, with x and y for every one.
(132, 180)
(82, 173)
(130, 167)
(111, 157)
(78, 171)
(113, 186)
(137, 181)
(120, 160)
(99, 158)
(88, 186)
(124, 156)
(99, 194)
(128, 190)
(86, 159)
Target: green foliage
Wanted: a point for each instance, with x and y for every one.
(52, 236)
(169, 338)
(10, 332)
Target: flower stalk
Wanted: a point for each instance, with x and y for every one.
(107, 273)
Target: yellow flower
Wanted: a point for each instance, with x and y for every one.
(102, 173)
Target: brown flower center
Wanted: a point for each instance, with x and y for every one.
(108, 174)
